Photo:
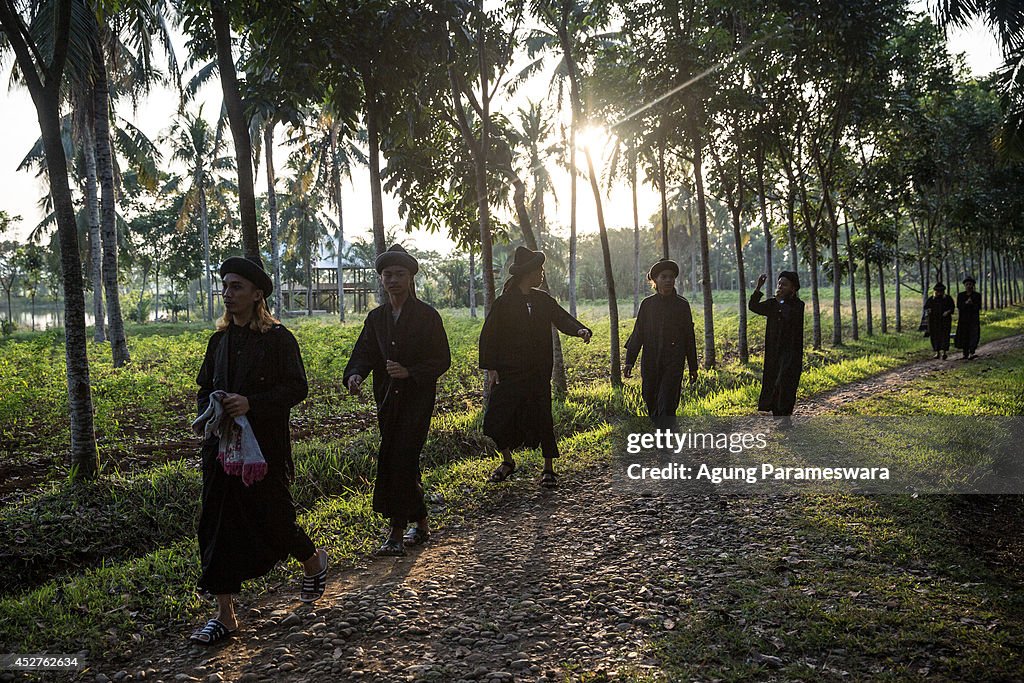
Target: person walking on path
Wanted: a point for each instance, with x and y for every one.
(251, 377)
(939, 309)
(404, 345)
(664, 330)
(516, 352)
(968, 324)
(783, 343)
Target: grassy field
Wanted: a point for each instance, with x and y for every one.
(85, 563)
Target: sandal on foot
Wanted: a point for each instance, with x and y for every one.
(548, 479)
(415, 536)
(313, 586)
(391, 548)
(213, 632)
(501, 473)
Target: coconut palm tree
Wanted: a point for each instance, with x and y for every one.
(42, 67)
(195, 143)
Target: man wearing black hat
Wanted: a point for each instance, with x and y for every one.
(783, 343)
(968, 324)
(664, 330)
(516, 351)
(404, 345)
(939, 309)
(252, 369)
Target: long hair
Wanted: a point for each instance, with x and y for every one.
(261, 318)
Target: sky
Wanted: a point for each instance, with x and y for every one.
(20, 190)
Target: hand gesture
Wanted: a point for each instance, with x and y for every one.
(585, 335)
(761, 280)
(355, 384)
(492, 379)
(627, 371)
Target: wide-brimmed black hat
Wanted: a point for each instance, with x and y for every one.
(251, 268)
(526, 261)
(969, 279)
(397, 256)
(663, 264)
(939, 287)
(791, 276)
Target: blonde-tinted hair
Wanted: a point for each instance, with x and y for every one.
(261, 318)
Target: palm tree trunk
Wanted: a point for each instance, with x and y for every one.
(376, 196)
(46, 98)
(275, 245)
(867, 287)
(765, 224)
(899, 279)
(341, 220)
(108, 212)
(572, 216)
(308, 241)
(486, 254)
(472, 284)
(853, 281)
(613, 303)
(664, 195)
(239, 128)
(636, 235)
(156, 297)
(95, 247)
(741, 280)
(837, 285)
(702, 219)
(205, 224)
(791, 229)
(881, 299)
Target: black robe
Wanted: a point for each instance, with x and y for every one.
(245, 530)
(783, 352)
(516, 342)
(664, 330)
(939, 324)
(416, 341)
(968, 323)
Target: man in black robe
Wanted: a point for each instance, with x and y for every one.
(783, 343)
(404, 345)
(516, 351)
(664, 330)
(939, 309)
(245, 529)
(968, 324)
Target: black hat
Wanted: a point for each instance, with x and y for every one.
(663, 264)
(969, 279)
(397, 256)
(525, 261)
(939, 287)
(791, 276)
(251, 268)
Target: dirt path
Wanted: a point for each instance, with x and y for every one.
(892, 380)
(546, 585)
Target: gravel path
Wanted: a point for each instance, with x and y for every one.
(546, 585)
(892, 380)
